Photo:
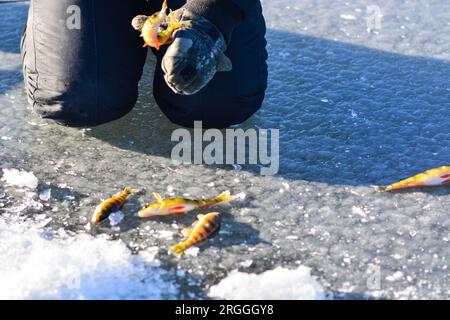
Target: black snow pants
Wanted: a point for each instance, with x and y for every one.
(82, 62)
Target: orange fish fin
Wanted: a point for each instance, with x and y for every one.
(179, 248)
(158, 197)
(200, 216)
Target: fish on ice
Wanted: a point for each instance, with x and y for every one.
(111, 205)
(431, 178)
(177, 206)
(204, 228)
(157, 29)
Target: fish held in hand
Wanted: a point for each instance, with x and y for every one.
(431, 178)
(178, 206)
(111, 205)
(157, 29)
(203, 229)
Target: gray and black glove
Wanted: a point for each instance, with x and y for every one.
(196, 53)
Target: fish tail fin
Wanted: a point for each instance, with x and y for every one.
(227, 197)
(224, 197)
(179, 248)
(381, 188)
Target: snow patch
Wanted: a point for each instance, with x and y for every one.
(40, 264)
(277, 284)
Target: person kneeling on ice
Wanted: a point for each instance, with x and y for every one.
(82, 60)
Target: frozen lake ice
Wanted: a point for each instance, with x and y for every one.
(355, 107)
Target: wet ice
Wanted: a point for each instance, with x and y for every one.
(354, 108)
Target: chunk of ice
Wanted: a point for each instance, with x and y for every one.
(192, 251)
(395, 277)
(45, 195)
(163, 234)
(20, 178)
(240, 196)
(347, 17)
(115, 218)
(247, 263)
(358, 211)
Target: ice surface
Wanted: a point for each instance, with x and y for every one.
(277, 284)
(355, 107)
(19, 178)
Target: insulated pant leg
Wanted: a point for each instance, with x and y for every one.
(231, 97)
(82, 60)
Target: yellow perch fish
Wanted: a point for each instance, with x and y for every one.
(204, 228)
(177, 206)
(113, 204)
(434, 177)
(157, 29)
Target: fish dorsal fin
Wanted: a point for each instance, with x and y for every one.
(158, 197)
(186, 232)
(199, 217)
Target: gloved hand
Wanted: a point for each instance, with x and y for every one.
(195, 55)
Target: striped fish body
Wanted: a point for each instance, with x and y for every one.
(434, 177)
(178, 206)
(204, 228)
(111, 205)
